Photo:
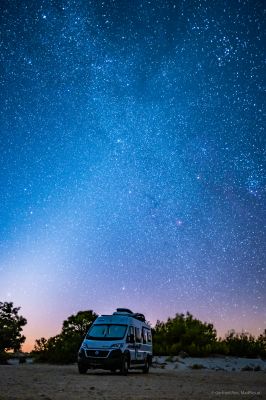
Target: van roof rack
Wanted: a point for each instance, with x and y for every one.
(140, 317)
(123, 311)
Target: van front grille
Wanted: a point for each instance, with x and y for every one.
(97, 353)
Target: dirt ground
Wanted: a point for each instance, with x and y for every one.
(49, 382)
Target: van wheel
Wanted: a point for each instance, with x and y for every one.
(124, 365)
(146, 367)
(82, 369)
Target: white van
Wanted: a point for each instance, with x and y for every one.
(121, 341)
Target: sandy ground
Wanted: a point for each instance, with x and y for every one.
(49, 382)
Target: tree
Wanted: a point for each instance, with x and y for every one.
(183, 332)
(78, 324)
(11, 325)
(63, 348)
(40, 345)
(245, 345)
(261, 343)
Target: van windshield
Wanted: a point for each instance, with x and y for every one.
(107, 332)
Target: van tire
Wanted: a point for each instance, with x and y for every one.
(82, 369)
(124, 365)
(146, 367)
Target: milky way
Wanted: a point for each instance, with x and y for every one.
(132, 160)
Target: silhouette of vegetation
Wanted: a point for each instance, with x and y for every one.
(185, 334)
(11, 325)
(245, 345)
(63, 348)
(182, 335)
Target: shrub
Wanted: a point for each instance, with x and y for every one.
(197, 366)
(247, 368)
(63, 348)
(183, 332)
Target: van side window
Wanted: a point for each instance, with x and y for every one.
(149, 335)
(144, 335)
(131, 332)
(138, 335)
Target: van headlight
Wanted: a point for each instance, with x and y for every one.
(117, 346)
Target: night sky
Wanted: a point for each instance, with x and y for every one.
(131, 160)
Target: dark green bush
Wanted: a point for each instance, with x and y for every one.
(198, 339)
(63, 348)
(197, 366)
(245, 345)
(183, 332)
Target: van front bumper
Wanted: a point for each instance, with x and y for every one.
(99, 359)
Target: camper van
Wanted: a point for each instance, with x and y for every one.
(120, 341)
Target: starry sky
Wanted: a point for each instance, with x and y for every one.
(132, 161)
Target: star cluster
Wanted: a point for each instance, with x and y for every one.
(132, 162)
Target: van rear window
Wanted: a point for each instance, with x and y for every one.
(146, 335)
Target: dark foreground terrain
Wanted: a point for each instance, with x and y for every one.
(49, 382)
